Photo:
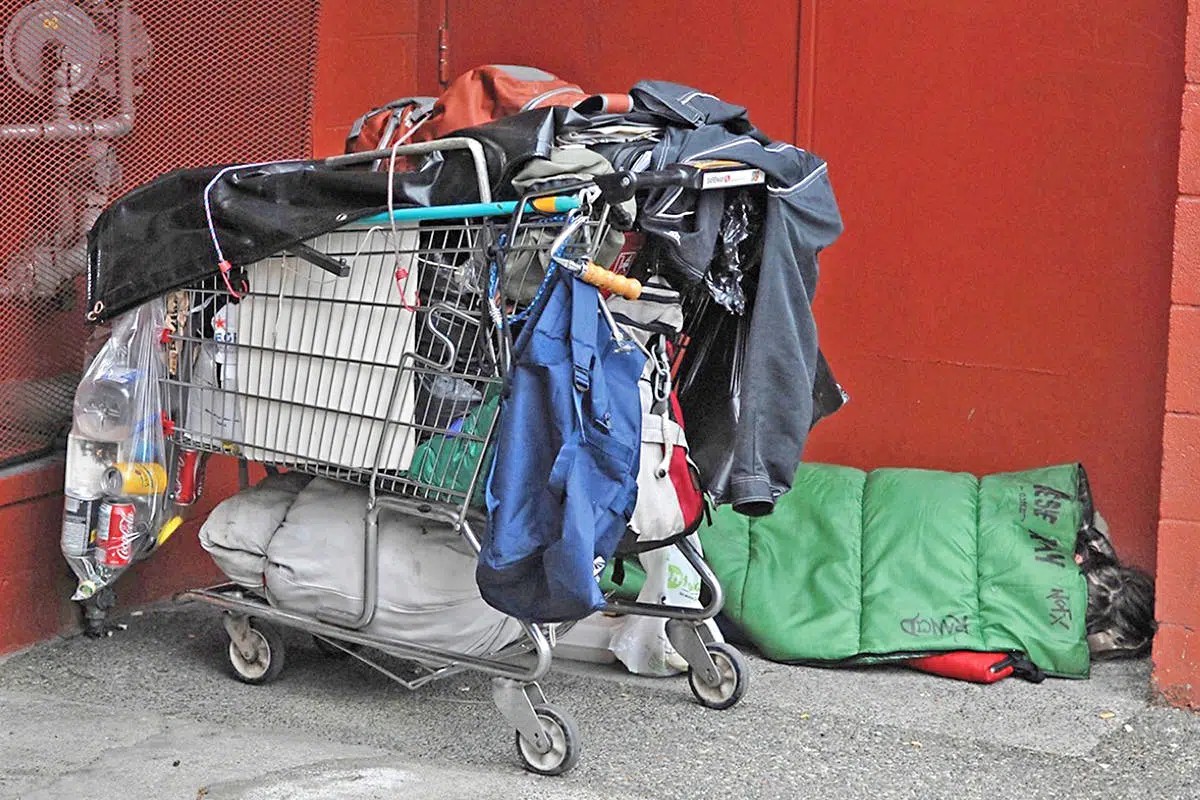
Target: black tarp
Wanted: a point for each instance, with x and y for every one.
(156, 237)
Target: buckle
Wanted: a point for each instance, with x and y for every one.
(582, 377)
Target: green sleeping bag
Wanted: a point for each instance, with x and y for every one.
(855, 567)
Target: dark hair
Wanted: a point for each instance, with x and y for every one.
(1120, 608)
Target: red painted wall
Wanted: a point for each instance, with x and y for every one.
(748, 57)
(367, 55)
(1007, 176)
(1006, 173)
(34, 580)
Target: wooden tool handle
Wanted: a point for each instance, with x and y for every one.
(609, 281)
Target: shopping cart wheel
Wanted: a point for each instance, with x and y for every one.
(564, 743)
(731, 666)
(259, 657)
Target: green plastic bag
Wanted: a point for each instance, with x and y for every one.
(447, 461)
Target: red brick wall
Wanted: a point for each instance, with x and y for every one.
(1177, 646)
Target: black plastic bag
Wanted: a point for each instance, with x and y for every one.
(738, 251)
(709, 388)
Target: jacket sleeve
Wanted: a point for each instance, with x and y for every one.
(781, 360)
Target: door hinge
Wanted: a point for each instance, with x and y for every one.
(443, 70)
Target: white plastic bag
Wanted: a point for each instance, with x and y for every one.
(641, 642)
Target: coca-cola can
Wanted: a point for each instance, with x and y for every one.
(189, 477)
(115, 534)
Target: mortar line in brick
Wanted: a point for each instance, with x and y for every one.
(1180, 625)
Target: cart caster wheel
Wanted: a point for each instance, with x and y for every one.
(266, 661)
(731, 666)
(330, 650)
(564, 743)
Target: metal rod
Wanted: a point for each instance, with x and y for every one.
(716, 598)
(370, 578)
(491, 666)
(423, 148)
(469, 210)
(318, 259)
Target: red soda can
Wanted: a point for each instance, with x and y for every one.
(189, 477)
(115, 534)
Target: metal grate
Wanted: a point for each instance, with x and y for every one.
(97, 97)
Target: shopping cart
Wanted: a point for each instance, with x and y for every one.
(369, 355)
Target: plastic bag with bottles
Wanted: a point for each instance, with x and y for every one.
(117, 505)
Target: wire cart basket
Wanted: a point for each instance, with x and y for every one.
(356, 357)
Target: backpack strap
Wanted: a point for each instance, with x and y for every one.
(585, 361)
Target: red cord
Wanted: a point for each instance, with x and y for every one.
(225, 268)
(401, 276)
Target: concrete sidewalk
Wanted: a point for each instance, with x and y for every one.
(152, 714)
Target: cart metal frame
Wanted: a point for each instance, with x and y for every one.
(562, 228)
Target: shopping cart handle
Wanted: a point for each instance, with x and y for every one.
(620, 186)
(709, 174)
(609, 281)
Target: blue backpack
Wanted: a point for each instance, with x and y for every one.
(564, 481)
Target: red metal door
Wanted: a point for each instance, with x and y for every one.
(1007, 176)
(744, 56)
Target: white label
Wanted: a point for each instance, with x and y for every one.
(77, 527)
(736, 177)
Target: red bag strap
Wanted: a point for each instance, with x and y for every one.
(967, 665)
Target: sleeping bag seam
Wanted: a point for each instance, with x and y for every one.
(746, 574)
(862, 546)
(979, 563)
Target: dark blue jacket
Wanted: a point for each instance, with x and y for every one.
(802, 218)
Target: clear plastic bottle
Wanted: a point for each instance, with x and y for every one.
(87, 461)
(105, 405)
(79, 536)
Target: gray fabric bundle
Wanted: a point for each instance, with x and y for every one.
(309, 558)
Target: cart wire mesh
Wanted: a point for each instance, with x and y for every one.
(96, 97)
(390, 374)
